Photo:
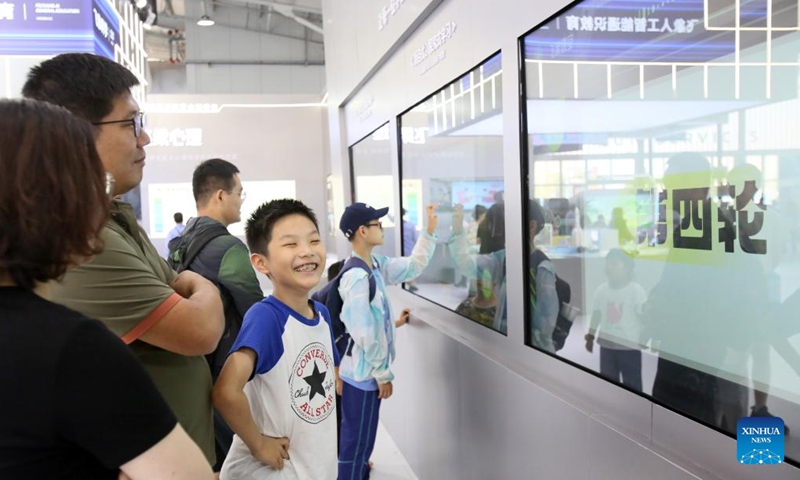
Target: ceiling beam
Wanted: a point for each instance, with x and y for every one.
(179, 23)
(277, 5)
(211, 63)
(288, 11)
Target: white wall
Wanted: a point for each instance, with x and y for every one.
(14, 72)
(271, 139)
(470, 403)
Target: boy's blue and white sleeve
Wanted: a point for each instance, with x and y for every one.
(402, 269)
(261, 332)
(365, 329)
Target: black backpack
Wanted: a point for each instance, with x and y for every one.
(564, 293)
(329, 296)
(181, 255)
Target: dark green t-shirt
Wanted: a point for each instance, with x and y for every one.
(127, 288)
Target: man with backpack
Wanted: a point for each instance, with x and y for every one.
(207, 248)
(366, 377)
(549, 296)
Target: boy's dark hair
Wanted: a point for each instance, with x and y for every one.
(258, 230)
(83, 83)
(479, 210)
(210, 176)
(535, 213)
(619, 255)
(48, 158)
(178, 217)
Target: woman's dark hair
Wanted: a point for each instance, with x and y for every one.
(53, 198)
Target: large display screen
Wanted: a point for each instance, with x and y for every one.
(663, 154)
(459, 168)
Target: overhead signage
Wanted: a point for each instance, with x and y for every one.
(48, 28)
(388, 11)
(106, 28)
(432, 53)
(630, 31)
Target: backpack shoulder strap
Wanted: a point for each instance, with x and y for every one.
(355, 262)
(537, 257)
(198, 243)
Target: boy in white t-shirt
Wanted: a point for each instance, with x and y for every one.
(616, 311)
(277, 390)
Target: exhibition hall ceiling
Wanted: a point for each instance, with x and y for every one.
(176, 25)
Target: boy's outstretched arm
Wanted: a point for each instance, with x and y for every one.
(231, 402)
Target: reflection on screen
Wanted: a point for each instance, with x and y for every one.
(663, 147)
(457, 167)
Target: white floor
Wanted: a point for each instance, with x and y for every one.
(389, 462)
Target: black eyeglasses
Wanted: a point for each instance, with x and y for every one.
(379, 225)
(137, 121)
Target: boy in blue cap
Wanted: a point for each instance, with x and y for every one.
(366, 378)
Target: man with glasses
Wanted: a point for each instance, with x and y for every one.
(365, 370)
(206, 247)
(169, 321)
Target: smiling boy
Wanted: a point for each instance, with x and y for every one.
(277, 388)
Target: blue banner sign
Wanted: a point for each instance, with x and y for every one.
(631, 31)
(29, 27)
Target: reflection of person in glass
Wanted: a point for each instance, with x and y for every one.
(600, 222)
(620, 224)
(493, 234)
(701, 311)
(616, 312)
(681, 308)
(544, 297)
(765, 264)
(474, 229)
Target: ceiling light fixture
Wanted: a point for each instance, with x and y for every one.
(205, 21)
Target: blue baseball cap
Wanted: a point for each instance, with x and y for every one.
(359, 214)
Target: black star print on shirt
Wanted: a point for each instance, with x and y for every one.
(315, 382)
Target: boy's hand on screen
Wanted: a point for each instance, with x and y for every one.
(272, 451)
(433, 219)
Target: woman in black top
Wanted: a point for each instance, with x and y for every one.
(74, 401)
